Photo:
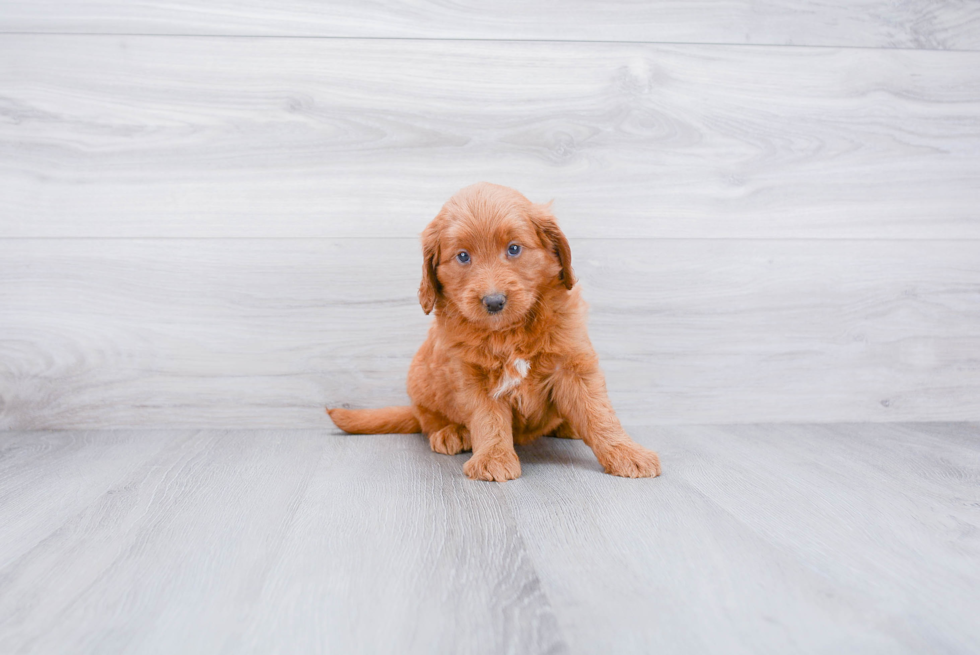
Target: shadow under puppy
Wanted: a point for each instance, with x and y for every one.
(508, 358)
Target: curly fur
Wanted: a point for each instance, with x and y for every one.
(484, 381)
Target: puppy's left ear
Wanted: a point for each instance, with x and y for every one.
(430, 288)
(552, 237)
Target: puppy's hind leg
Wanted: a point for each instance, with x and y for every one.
(564, 431)
(451, 439)
(444, 436)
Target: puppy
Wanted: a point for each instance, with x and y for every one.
(507, 359)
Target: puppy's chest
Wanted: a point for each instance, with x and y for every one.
(517, 382)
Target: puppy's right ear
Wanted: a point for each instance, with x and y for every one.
(430, 288)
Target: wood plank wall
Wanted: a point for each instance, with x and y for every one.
(206, 220)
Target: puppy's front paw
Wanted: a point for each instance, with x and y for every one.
(450, 440)
(494, 464)
(630, 460)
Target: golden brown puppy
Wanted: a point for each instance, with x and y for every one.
(507, 358)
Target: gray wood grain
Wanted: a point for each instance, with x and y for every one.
(282, 542)
(259, 137)
(867, 23)
(252, 333)
(437, 558)
(802, 538)
(74, 467)
(852, 538)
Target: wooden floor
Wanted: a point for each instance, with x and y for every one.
(847, 538)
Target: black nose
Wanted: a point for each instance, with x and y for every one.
(495, 302)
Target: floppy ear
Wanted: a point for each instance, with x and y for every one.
(430, 287)
(552, 237)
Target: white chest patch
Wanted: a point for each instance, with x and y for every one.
(510, 380)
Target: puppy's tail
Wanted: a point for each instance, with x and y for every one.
(387, 420)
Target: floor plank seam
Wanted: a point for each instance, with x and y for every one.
(511, 521)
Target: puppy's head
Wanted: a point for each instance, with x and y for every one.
(491, 253)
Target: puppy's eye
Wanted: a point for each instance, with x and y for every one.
(513, 250)
(463, 257)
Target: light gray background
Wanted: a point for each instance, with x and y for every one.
(208, 231)
(209, 211)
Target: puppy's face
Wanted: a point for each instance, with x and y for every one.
(490, 253)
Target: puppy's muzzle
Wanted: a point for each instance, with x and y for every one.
(494, 303)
